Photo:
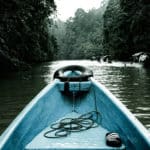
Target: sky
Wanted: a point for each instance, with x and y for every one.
(67, 8)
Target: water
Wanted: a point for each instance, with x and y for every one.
(128, 82)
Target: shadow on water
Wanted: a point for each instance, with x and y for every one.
(129, 82)
(17, 89)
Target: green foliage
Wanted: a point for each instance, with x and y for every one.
(24, 29)
(81, 37)
(114, 41)
(126, 28)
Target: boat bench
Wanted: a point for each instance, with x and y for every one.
(75, 86)
(91, 139)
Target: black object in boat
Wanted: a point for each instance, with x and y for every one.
(113, 139)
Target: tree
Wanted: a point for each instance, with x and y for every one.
(126, 28)
(24, 30)
(82, 35)
(114, 36)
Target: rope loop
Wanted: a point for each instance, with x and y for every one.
(68, 125)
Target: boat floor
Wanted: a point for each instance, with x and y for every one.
(91, 139)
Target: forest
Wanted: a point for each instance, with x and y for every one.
(29, 34)
(24, 33)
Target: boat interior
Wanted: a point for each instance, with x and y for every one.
(74, 97)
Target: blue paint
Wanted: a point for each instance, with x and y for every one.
(51, 104)
(76, 86)
(93, 139)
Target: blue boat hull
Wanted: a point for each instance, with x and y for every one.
(52, 103)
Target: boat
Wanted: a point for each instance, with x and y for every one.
(143, 58)
(75, 112)
(106, 58)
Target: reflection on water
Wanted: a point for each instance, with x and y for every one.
(129, 82)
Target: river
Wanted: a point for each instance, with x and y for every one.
(128, 82)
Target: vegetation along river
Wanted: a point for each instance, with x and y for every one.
(128, 82)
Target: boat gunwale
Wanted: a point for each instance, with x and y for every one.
(125, 111)
(18, 119)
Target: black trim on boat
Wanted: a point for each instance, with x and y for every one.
(84, 76)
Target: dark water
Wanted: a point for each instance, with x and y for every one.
(129, 82)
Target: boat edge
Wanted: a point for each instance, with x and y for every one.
(130, 116)
(14, 124)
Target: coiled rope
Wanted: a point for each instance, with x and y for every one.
(68, 125)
